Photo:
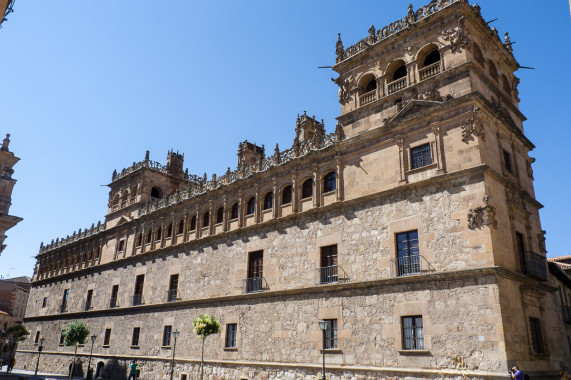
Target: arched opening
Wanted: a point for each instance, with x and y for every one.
(134, 194)
(492, 70)
(125, 198)
(220, 215)
(159, 234)
(307, 189)
(268, 200)
(181, 226)
(329, 183)
(193, 223)
(169, 230)
(155, 192)
(149, 237)
(99, 370)
(478, 57)
(397, 74)
(115, 203)
(286, 195)
(139, 240)
(506, 85)
(206, 219)
(428, 62)
(367, 89)
(432, 58)
(251, 206)
(400, 72)
(234, 211)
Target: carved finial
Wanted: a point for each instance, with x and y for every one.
(339, 50)
(477, 9)
(114, 174)
(6, 142)
(411, 16)
(508, 42)
(147, 156)
(204, 177)
(228, 171)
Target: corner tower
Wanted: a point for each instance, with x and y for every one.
(7, 161)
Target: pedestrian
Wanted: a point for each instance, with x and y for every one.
(516, 373)
(133, 371)
(11, 365)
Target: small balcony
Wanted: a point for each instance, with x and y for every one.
(113, 303)
(396, 85)
(367, 98)
(410, 265)
(137, 300)
(429, 71)
(172, 295)
(330, 275)
(254, 285)
(535, 266)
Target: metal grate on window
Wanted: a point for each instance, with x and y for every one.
(420, 156)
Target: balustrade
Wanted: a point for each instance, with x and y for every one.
(368, 97)
(429, 71)
(397, 85)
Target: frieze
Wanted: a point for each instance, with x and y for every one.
(473, 126)
(482, 216)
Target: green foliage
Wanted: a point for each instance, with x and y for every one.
(76, 332)
(206, 325)
(18, 332)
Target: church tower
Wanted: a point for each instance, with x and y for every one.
(7, 161)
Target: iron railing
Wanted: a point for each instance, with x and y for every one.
(330, 275)
(535, 266)
(172, 295)
(113, 303)
(137, 300)
(410, 265)
(254, 284)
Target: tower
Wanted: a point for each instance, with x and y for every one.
(7, 161)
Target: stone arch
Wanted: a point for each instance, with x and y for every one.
(428, 52)
(478, 56)
(396, 70)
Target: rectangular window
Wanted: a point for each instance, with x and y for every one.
(330, 342)
(173, 288)
(45, 302)
(412, 333)
(420, 156)
(408, 258)
(255, 271)
(138, 296)
(508, 161)
(167, 336)
(114, 294)
(89, 299)
(62, 338)
(64, 300)
(231, 332)
(135, 338)
(328, 270)
(37, 338)
(536, 335)
(521, 252)
(121, 245)
(107, 337)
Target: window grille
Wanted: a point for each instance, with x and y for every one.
(135, 339)
(420, 156)
(330, 342)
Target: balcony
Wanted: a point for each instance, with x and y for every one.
(410, 265)
(535, 266)
(137, 300)
(368, 97)
(396, 85)
(172, 295)
(113, 303)
(330, 275)
(429, 71)
(254, 285)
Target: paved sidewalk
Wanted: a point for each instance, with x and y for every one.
(18, 374)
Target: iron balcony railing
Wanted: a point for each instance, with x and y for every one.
(137, 300)
(429, 71)
(254, 284)
(410, 265)
(535, 266)
(396, 85)
(330, 275)
(172, 295)
(368, 97)
(113, 302)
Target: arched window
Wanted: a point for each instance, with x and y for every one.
(400, 72)
(115, 203)
(432, 57)
(251, 206)
(506, 85)
(206, 219)
(159, 234)
(234, 211)
(372, 85)
(125, 198)
(134, 194)
(268, 200)
(181, 226)
(169, 230)
(307, 189)
(139, 240)
(492, 70)
(193, 223)
(478, 57)
(155, 192)
(149, 237)
(329, 183)
(286, 195)
(220, 215)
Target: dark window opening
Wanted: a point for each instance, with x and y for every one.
(89, 299)
(329, 183)
(521, 252)
(37, 339)
(167, 336)
(45, 302)
(181, 227)
(268, 200)
(330, 341)
(155, 193)
(173, 288)
(135, 338)
(251, 206)
(107, 337)
(371, 86)
(138, 295)
(478, 55)
(62, 338)
(149, 237)
(506, 85)
(159, 234)
(536, 335)
(193, 223)
(114, 295)
(231, 333)
(329, 271)
(431, 58)
(508, 161)
(286, 195)
(408, 258)
(399, 73)
(206, 219)
(64, 300)
(139, 239)
(255, 271)
(169, 230)
(121, 246)
(492, 71)
(234, 211)
(412, 333)
(420, 156)
(307, 189)
(220, 215)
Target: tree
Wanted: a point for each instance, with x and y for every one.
(76, 332)
(19, 332)
(204, 326)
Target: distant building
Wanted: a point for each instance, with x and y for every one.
(412, 232)
(14, 294)
(5, 10)
(7, 161)
(563, 262)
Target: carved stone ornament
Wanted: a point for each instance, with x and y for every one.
(482, 216)
(541, 240)
(472, 126)
(339, 51)
(457, 36)
(345, 86)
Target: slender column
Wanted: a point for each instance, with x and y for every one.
(210, 218)
(339, 177)
(198, 225)
(186, 219)
(400, 142)
(316, 186)
(225, 214)
(437, 147)
(294, 193)
(144, 238)
(133, 244)
(275, 206)
(240, 209)
(258, 205)
(153, 235)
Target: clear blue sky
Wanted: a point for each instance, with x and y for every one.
(88, 86)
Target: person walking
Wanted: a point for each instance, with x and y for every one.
(11, 365)
(133, 370)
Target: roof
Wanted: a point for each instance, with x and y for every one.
(558, 258)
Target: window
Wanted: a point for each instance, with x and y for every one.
(431, 58)
(220, 215)
(536, 335)
(107, 337)
(329, 183)
(183, 376)
(492, 70)
(506, 85)
(169, 231)
(478, 55)
(138, 296)
(286, 195)
(255, 271)
(173, 288)
(206, 219)
(167, 336)
(45, 302)
(307, 189)
(251, 206)
(508, 161)
(234, 211)
(89, 299)
(408, 259)
(412, 333)
(139, 240)
(62, 338)
(330, 342)
(268, 200)
(400, 72)
(114, 294)
(135, 338)
(420, 156)
(521, 252)
(121, 245)
(231, 332)
(37, 338)
(193, 223)
(64, 300)
(149, 237)
(155, 192)
(181, 227)
(328, 270)
(159, 234)
(371, 86)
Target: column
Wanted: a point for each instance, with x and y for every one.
(339, 177)
(316, 186)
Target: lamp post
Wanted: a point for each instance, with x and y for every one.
(40, 348)
(175, 334)
(93, 337)
(323, 326)
(7, 341)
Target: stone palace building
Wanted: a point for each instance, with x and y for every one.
(412, 230)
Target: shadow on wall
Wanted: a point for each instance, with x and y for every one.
(113, 369)
(78, 369)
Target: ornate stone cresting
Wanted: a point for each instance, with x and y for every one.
(457, 36)
(473, 126)
(482, 216)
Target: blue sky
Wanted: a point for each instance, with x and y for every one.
(88, 87)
